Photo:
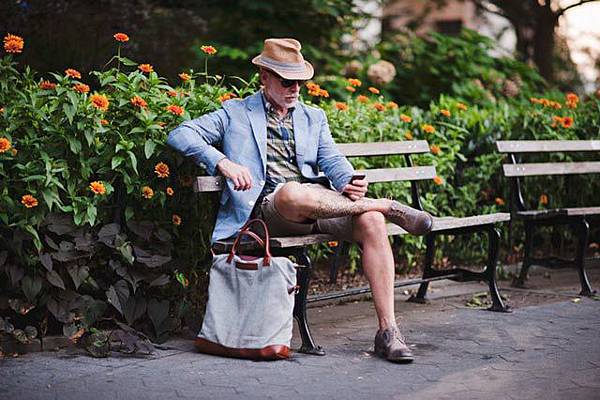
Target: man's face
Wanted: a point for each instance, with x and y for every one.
(283, 97)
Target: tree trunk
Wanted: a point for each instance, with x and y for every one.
(543, 43)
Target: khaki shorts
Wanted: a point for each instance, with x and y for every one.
(340, 227)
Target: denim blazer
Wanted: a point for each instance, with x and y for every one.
(238, 131)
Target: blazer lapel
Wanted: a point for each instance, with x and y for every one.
(300, 133)
(258, 121)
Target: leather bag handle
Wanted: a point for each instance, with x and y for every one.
(245, 231)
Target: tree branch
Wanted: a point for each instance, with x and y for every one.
(563, 10)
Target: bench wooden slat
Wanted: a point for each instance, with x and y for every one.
(383, 148)
(537, 169)
(540, 146)
(399, 174)
(558, 212)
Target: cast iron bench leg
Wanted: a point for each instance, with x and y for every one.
(308, 344)
(583, 230)
(421, 296)
(493, 246)
(520, 280)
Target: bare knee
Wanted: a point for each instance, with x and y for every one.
(291, 201)
(369, 226)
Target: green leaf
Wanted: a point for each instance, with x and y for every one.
(133, 161)
(91, 214)
(149, 148)
(116, 161)
(36, 239)
(128, 213)
(74, 145)
(55, 279)
(69, 112)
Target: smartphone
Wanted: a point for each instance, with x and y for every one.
(357, 177)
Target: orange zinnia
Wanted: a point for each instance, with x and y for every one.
(97, 187)
(438, 180)
(226, 96)
(104, 122)
(177, 110)
(567, 122)
(373, 90)
(73, 73)
(147, 68)
(535, 100)
(170, 191)
(499, 201)
(137, 101)
(544, 199)
(341, 106)
(121, 37)
(556, 120)
(5, 145)
(176, 219)
(428, 128)
(185, 77)
(405, 118)
(435, 149)
(162, 170)
(29, 201)
(461, 106)
(350, 89)
(572, 97)
(47, 85)
(13, 44)
(354, 82)
(379, 107)
(147, 192)
(391, 105)
(362, 99)
(81, 88)
(210, 50)
(172, 93)
(408, 135)
(445, 112)
(100, 101)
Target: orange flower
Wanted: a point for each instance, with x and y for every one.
(147, 192)
(333, 243)
(162, 124)
(373, 90)
(391, 105)
(210, 50)
(81, 88)
(567, 122)
(147, 68)
(104, 122)
(341, 106)
(98, 187)
(556, 120)
(362, 99)
(137, 101)
(445, 112)
(405, 118)
(121, 37)
(543, 199)
(535, 100)
(435, 149)
(461, 107)
(438, 180)
(354, 82)
(73, 73)
(226, 96)
(428, 128)
(162, 170)
(13, 44)
(555, 104)
(185, 77)
(499, 201)
(572, 98)
(5, 145)
(47, 85)
(14, 152)
(408, 135)
(176, 219)
(315, 90)
(170, 191)
(172, 93)
(29, 201)
(99, 101)
(379, 106)
(350, 89)
(177, 110)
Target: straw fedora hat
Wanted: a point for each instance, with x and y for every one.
(283, 57)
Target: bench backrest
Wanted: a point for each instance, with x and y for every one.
(517, 169)
(406, 148)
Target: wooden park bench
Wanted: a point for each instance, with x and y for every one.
(577, 218)
(297, 245)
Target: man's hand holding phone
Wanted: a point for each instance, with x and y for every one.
(357, 188)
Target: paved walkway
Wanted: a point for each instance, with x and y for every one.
(547, 351)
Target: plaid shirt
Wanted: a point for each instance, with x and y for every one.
(281, 150)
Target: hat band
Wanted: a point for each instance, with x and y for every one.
(287, 67)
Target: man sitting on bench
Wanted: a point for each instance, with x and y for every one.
(271, 149)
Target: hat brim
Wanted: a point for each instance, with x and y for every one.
(304, 73)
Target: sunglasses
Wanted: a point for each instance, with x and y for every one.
(286, 83)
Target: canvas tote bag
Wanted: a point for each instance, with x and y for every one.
(250, 303)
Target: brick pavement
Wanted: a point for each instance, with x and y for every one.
(548, 351)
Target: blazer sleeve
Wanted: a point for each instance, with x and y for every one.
(197, 138)
(331, 161)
